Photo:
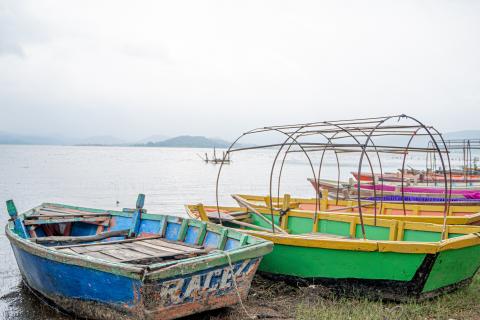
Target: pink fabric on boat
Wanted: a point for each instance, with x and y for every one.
(474, 195)
(437, 190)
(470, 194)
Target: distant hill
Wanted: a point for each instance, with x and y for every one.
(101, 141)
(466, 134)
(190, 142)
(153, 139)
(12, 138)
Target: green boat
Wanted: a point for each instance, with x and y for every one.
(388, 259)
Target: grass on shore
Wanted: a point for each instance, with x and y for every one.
(276, 300)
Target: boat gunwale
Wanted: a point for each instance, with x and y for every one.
(254, 248)
(474, 209)
(360, 244)
(466, 219)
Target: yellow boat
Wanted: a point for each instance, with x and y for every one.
(428, 213)
(386, 258)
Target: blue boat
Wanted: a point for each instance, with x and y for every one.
(130, 264)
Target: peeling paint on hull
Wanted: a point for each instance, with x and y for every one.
(109, 297)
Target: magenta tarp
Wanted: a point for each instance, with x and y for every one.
(469, 194)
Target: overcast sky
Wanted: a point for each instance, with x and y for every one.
(218, 68)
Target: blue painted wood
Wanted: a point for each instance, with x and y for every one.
(171, 233)
(77, 284)
(20, 228)
(54, 278)
(137, 217)
(40, 233)
(73, 280)
(83, 229)
(231, 244)
(11, 209)
(211, 239)
(140, 201)
(119, 223)
(149, 227)
(192, 235)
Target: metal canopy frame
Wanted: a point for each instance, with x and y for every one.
(350, 136)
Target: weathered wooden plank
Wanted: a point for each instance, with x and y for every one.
(168, 256)
(109, 242)
(98, 247)
(144, 249)
(54, 210)
(79, 250)
(181, 243)
(125, 254)
(68, 250)
(165, 244)
(66, 220)
(161, 248)
(52, 215)
(96, 237)
(100, 255)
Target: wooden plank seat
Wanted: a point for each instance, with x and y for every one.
(105, 221)
(42, 213)
(70, 239)
(62, 210)
(139, 251)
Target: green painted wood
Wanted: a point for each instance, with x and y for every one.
(372, 232)
(307, 262)
(11, 209)
(223, 239)
(334, 227)
(422, 236)
(453, 266)
(183, 230)
(449, 267)
(298, 225)
(202, 231)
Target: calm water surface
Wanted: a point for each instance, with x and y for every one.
(101, 176)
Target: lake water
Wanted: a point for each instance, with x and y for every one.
(100, 177)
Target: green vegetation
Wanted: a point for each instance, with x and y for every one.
(276, 300)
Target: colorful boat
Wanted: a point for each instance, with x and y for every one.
(429, 213)
(102, 264)
(348, 190)
(417, 178)
(396, 260)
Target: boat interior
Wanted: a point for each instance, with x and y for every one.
(123, 237)
(368, 207)
(329, 225)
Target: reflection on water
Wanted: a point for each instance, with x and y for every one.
(111, 177)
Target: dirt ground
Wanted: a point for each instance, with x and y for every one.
(270, 299)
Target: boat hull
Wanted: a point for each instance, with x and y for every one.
(344, 190)
(95, 294)
(432, 178)
(385, 275)
(422, 212)
(383, 258)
